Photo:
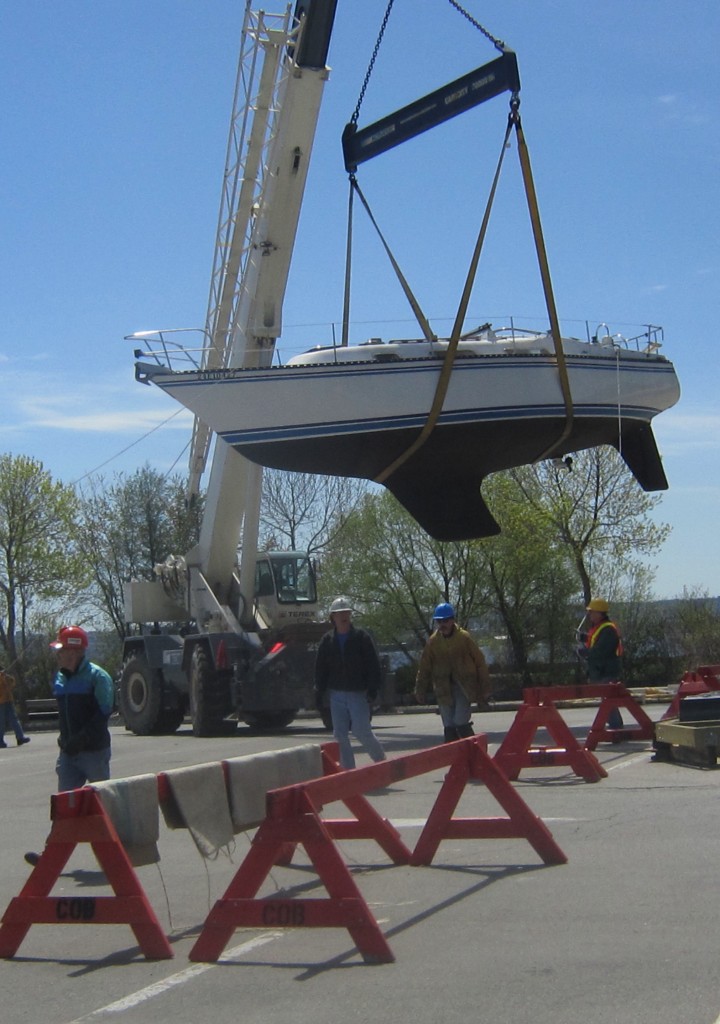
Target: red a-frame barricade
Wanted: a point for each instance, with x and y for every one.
(614, 695)
(703, 679)
(79, 817)
(293, 816)
(292, 819)
(537, 712)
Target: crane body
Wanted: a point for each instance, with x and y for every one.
(221, 637)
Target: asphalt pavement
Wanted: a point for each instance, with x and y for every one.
(625, 931)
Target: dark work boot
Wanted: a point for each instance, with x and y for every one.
(451, 734)
(464, 731)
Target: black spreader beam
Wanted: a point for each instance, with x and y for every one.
(500, 75)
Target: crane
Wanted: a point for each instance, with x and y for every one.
(216, 638)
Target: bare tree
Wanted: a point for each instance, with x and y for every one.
(303, 511)
(130, 525)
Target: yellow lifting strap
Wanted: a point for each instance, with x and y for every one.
(448, 362)
(524, 156)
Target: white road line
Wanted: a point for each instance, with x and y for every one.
(627, 764)
(422, 822)
(143, 995)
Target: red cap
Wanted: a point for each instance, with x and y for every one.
(72, 638)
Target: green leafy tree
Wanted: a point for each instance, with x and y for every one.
(396, 574)
(692, 628)
(598, 512)
(129, 526)
(530, 576)
(43, 569)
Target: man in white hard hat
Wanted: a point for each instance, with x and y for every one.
(347, 668)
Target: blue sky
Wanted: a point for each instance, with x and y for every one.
(114, 123)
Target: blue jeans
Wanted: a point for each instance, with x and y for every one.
(351, 711)
(9, 720)
(457, 713)
(87, 766)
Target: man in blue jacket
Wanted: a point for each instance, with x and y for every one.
(85, 696)
(348, 668)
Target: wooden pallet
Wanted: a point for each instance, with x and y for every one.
(692, 743)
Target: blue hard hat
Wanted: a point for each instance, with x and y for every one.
(444, 611)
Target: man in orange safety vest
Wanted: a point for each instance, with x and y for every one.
(602, 650)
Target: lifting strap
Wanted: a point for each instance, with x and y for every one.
(422, 320)
(503, 76)
(444, 379)
(449, 360)
(531, 196)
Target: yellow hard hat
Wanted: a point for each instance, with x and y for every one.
(598, 604)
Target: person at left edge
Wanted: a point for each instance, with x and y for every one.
(85, 697)
(8, 717)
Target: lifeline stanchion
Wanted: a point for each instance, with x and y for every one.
(79, 817)
(538, 711)
(293, 816)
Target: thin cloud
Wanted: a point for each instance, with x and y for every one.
(684, 434)
(51, 414)
(677, 109)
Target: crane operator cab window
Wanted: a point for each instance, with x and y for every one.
(264, 583)
(289, 576)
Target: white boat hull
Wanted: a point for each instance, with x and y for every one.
(503, 408)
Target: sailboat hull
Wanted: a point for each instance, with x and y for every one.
(503, 408)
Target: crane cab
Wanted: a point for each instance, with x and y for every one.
(285, 590)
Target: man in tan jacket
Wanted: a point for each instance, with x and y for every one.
(453, 664)
(8, 718)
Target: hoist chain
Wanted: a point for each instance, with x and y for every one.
(498, 43)
(371, 65)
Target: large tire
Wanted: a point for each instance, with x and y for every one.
(169, 721)
(140, 697)
(209, 697)
(265, 721)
